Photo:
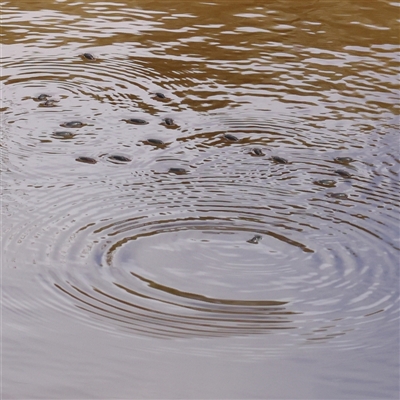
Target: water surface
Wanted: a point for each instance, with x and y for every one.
(197, 267)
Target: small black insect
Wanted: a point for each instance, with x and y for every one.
(86, 160)
(343, 160)
(42, 97)
(230, 137)
(88, 56)
(169, 121)
(155, 141)
(257, 152)
(343, 173)
(63, 135)
(119, 158)
(73, 124)
(279, 160)
(136, 121)
(325, 182)
(340, 196)
(255, 239)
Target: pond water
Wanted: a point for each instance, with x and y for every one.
(147, 255)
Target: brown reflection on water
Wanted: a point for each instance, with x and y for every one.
(208, 54)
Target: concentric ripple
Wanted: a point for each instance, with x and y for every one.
(172, 255)
(175, 226)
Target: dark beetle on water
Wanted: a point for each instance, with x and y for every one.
(325, 182)
(230, 137)
(136, 121)
(257, 152)
(343, 173)
(73, 124)
(63, 135)
(119, 158)
(343, 160)
(255, 239)
(340, 196)
(88, 56)
(155, 142)
(169, 121)
(86, 160)
(42, 97)
(279, 160)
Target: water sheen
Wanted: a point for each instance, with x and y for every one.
(168, 236)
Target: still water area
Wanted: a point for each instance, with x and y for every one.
(200, 200)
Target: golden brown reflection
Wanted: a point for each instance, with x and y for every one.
(307, 23)
(226, 42)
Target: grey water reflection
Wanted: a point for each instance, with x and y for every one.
(219, 175)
